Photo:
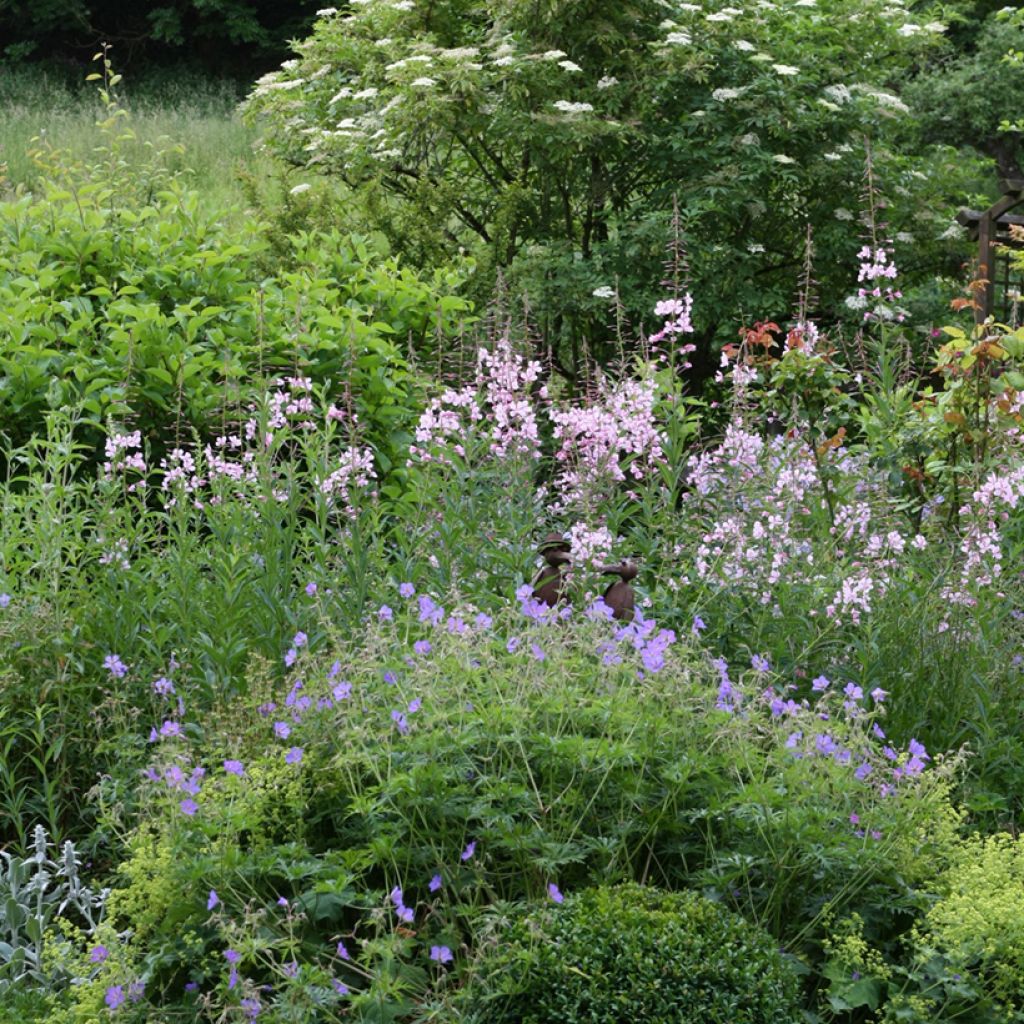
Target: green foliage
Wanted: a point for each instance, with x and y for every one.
(970, 95)
(611, 955)
(242, 34)
(123, 296)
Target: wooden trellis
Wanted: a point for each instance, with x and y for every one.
(999, 294)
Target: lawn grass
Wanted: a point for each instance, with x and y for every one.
(166, 111)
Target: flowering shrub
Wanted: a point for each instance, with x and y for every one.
(336, 840)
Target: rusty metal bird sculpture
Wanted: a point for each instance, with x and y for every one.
(619, 596)
(549, 583)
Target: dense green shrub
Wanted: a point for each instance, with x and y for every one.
(123, 296)
(633, 953)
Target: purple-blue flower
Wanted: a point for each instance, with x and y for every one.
(188, 806)
(115, 997)
(422, 647)
(406, 590)
(759, 663)
(212, 900)
(294, 756)
(384, 613)
(469, 850)
(115, 666)
(435, 883)
(442, 954)
(98, 954)
(233, 767)
(554, 893)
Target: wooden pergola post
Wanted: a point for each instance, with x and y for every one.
(991, 229)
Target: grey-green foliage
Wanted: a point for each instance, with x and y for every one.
(37, 894)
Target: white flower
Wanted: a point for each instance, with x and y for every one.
(461, 52)
(678, 39)
(423, 83)
(935, 26)
(341, 94)
(750, 139)
(553, 55)
(909, 29)
(572, 108)
(856, 301)
(781, 158)
(904, 236)
(755, 247)
(604, 292)
(365, 94)
(299, 189)
(806, 3)
(692, 8)
(504, 62)
(837, 93)
(723, 95)
(569, 65)
(841, 213)
(607, 82)
(289, 64)
(348, 122)
(719, 16)
(326, 12)
(785, 69)
(384, 40)
(742, 44)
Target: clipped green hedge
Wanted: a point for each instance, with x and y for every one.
(632, 953)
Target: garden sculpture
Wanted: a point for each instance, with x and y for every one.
(619, 596)
(549, 584)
